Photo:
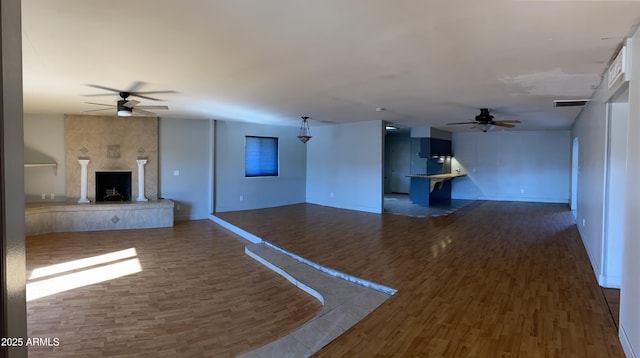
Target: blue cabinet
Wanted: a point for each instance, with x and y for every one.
(420, 192)
(435, 147)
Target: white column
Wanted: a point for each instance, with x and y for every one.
(83, 180)
(141, 163)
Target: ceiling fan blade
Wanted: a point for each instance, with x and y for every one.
(130, 103)
(134, 86)
(98, 95)
(103, 88)
(152, 107)
(145, 97)
(462, 123)
(501, 124)
(101, 104)
(154, 92)
(509, 121)
(97, 110)
(143, 112)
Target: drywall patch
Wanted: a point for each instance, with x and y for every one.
(556, 83)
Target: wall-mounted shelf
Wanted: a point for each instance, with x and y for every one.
(38, 165)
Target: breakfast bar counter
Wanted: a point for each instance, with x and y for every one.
(428, 189)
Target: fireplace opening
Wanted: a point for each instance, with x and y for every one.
(113, 186)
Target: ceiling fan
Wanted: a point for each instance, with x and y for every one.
(126, 107)
(485, 121)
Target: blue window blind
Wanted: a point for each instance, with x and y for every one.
(260, 156)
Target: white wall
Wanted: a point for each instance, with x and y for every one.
(344, 166)
(185, 146)
(44, 143)
(258, 192)
(630, 292)
(512, 166)
(591, 130)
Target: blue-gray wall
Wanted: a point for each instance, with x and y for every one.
(513, 166)
(344, 166)
(236, 192)
(44, 143)
(186, 148)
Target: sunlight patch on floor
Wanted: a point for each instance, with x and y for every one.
(78, 273)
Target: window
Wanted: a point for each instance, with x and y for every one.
(260, 156)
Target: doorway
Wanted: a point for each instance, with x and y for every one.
(397, 161)
(574, 177)
(614, 203)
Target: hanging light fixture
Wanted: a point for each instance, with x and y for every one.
(305, 133)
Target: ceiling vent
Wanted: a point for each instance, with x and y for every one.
(570, 102)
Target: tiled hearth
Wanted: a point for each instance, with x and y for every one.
(63, 217)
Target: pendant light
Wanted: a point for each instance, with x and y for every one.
(305, 133)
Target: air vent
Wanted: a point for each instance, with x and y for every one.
(570, 102)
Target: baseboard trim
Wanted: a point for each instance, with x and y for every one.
(626, 345)
(610, 281)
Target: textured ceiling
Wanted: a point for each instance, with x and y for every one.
(427, 62)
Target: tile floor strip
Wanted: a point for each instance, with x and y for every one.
(336, 273)
(345, 302)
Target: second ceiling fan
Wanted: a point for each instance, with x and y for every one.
(485, 121)
(126, 107)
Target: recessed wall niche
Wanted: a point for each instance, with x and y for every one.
(111, 144)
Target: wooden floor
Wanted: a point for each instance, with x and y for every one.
(612, 296)
(494, 279)
(197, 294)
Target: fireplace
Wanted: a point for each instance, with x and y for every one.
(113, 186)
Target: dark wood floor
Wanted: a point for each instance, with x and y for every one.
(495, 279)
(612, 296)
(197, 295)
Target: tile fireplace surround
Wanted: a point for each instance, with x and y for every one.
(110, 143)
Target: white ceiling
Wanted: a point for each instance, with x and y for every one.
(427, 62)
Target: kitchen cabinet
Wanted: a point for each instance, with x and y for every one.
(435, 147)
(431, 189)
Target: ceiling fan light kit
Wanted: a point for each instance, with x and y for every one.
(484, 127)
(123, 110)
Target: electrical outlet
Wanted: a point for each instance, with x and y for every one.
(584, 222)
(521, 190)
(176, 173)
(44, 196)
(331, 194)
(52, 196)
(241, 197)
